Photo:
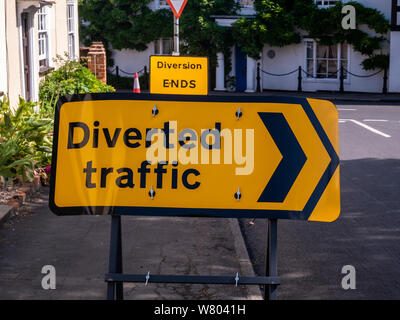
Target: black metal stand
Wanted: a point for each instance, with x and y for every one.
(272, 258)
(258, 78)
(115, 278)
(385, 81)
(341, 89)
(115, 290)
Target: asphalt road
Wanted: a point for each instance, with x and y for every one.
(367, 234)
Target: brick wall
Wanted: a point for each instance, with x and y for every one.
(97, 62)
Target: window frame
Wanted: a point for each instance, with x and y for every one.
(43, 37)
(161, 46)
(71, 32)
(327, 5)
(315, 59)
(162, 6)
(242, 5)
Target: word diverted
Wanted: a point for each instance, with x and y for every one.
(178, 75)
(81, 135)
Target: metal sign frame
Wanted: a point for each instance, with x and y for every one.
(115, 277)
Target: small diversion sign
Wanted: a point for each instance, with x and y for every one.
(179, 75)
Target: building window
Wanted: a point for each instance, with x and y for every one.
(246, 3)
(324, 62)
(71, 30)
(43, 37)
(163, 4)
(164, 46)
(326, 3)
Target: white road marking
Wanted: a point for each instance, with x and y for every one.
(367, 127)
(375, 120)
(342, 109)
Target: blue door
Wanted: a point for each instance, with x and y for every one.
(241, 69)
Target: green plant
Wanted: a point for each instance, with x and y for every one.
(25, 142)
(128, 24)
(70, 78)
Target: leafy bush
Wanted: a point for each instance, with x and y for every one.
(70, 78)
(25, 142)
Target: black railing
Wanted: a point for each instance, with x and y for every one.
(142, 73)
(342, 70)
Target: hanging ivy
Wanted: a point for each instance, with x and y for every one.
(273, 25)
(202, 36)
(278, 22)
(124, 24)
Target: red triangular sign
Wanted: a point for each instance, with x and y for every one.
(177, 6)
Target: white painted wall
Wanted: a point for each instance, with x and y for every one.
(286, 59)
(394, 73)
(58, 39)
(131, 60)
(3, 51)
(291, 57)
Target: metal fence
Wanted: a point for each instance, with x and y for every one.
(300, 71)
(142, 72)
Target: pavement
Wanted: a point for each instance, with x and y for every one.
(5, 212)
(366, 235)
(77, 246)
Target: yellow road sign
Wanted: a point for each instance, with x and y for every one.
(179, 75)
(200, 156)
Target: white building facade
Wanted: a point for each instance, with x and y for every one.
(32, 33)
(320, 64)
(3, 52)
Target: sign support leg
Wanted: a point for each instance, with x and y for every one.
(270, 291)
(176, 37)
(115, 289)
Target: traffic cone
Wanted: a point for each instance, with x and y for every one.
(136, 85)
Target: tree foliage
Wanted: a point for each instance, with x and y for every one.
(278, 23)
(131, 24)
(128, 24)
(125, 24)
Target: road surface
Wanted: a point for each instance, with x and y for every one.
(367, 234)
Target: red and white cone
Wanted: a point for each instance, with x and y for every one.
(136, 85)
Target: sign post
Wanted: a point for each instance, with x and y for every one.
(177, 7)
(176, 37)
(195, 156)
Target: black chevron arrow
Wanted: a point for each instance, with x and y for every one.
(292, 162)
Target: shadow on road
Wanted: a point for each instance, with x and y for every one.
(367, 236)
